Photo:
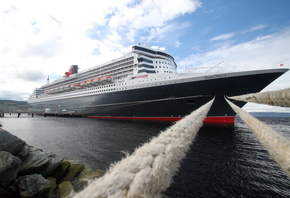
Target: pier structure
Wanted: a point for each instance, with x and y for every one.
(32, 113)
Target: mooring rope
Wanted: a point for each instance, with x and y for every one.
(149, 170)
(275, 98)
(276, 145)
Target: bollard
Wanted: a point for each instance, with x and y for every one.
(276, 145)
(149, 170)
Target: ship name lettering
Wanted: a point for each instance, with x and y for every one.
(215, 76)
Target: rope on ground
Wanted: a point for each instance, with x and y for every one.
(149, 170)
(275, 98)
(276, 145)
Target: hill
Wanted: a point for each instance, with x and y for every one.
(12, 105)
(270, 114)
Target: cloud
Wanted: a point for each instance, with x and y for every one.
(260, 53)
(223, 37)
(258, 27)
(12, 95)
(45, 49)
(50, 36)
(151, 13)
(30, 75)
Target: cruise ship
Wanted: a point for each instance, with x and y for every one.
(146, 85)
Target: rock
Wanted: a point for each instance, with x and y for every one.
(61, 170)
(10, 143)
(53, 182)
(23, 153)
(73, 171)
(53, 193)
(13, 189)
(34, 161)
(6, 194)
(31, 186)
(65, 188)
(84, 177)
(89, 174)
(53, 162)
(9, 166)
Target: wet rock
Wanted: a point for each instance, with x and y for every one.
(10, 143)
(84, 177)
(34, 161)
(23, 153)
(73, 171)
(65, 188)
(53, 182)
(53, 193)
(9, 166)
(53, 162)
(89, 174)
(61, 170)
(31, 186)
(13, 189)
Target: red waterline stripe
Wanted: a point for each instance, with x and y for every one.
(207, 120)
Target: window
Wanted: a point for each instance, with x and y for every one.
(146, 71)
(146, 66)
(144, 60)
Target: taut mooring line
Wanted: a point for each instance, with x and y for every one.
(149, 170)
(275, 98)
(276, 145)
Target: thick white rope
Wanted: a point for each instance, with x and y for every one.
(276, 145)
(149, 170)
(275, 98)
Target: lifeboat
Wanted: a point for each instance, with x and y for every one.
(67, 87)
(83, 83)
(96, 80)
(74, 86)
(106, 78)
(89, 81)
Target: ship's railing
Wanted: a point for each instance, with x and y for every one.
(107, 63)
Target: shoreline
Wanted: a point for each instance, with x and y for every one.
(27, 171)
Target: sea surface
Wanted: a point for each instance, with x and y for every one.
(222, 162)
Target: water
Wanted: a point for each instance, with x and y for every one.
(221, 162)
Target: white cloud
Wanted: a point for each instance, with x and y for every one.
(50, 36)
(177, 44)
(263, 52)
(258, 27)
(255, 54)
(223, 37)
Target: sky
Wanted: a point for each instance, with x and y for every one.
(44, 38)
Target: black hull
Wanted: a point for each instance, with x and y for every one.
(167, 102)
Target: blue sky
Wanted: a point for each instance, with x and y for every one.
(48, 37)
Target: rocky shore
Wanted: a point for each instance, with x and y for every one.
(29, 172)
